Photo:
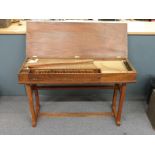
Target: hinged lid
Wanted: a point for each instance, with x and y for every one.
(76, 40)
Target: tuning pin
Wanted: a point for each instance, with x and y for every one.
(34, 57)
(76, 56)
(27, 68)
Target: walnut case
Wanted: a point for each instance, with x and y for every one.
(106, 42)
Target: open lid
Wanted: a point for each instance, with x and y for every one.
(76, 39)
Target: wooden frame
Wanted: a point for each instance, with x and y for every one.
(79, 41)
(35, 106)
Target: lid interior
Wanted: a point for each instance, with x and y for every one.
(76, 40)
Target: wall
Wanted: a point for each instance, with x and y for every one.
(12, 54)
(142, 55)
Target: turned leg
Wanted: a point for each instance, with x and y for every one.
(114, 100)
(121, 101)
(31, 105)
(37, 102)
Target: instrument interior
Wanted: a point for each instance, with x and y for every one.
(49, 65)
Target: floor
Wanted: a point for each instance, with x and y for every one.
(15, 117)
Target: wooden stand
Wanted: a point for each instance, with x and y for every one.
(35, 108)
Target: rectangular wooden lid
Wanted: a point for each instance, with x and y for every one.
(74, 39)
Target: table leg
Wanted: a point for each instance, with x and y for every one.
(114, 101)
(37, 102)
(121, 101)
(31, 104)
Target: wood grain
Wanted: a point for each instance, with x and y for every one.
(67, 40)
(75, 114)
(121, 102)
(31, 104)
(48, 87)
(114, 100)
(56, 62)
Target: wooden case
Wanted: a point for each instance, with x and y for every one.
(66, 40)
